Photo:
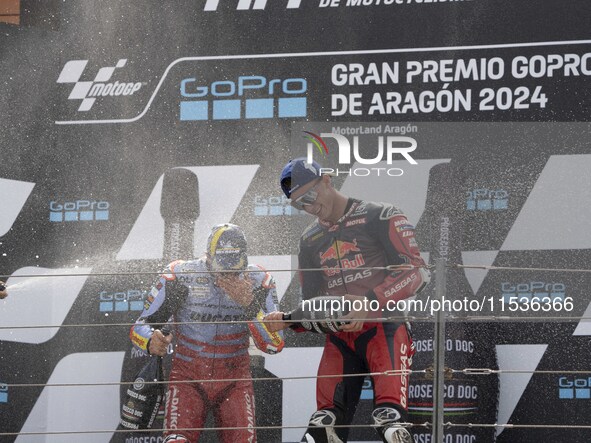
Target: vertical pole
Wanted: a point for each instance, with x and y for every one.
(439, 355)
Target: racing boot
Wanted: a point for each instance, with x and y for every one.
(388, 424)
(321, 428)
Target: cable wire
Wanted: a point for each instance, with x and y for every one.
(227, 428)
(351, 426)
(403, 318)
(515, 268)
(393, 372)
(134, 273)
(302, 377)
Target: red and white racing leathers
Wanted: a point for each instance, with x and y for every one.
(209, 346)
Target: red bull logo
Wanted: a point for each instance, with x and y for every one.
(345, 263)
(338, 250)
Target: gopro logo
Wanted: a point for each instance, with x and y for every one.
(574, 388)
(487, 200)
(123, 301)
(79, 210)
(249, 97)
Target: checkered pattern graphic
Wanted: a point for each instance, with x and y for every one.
(71, 73)
(574, 393)
(123, 301)
(248, 109)
(212, 5)
(260, 210)
(495, 201)
(3, 393)
(74, 216)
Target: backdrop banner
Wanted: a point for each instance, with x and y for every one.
(129, 129)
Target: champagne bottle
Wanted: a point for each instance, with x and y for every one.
(144, 398)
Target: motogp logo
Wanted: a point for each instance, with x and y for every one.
(88, 91)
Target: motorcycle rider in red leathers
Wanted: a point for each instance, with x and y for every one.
(207, 350)
(349, 238)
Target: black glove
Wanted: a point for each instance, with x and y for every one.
(319, 314)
